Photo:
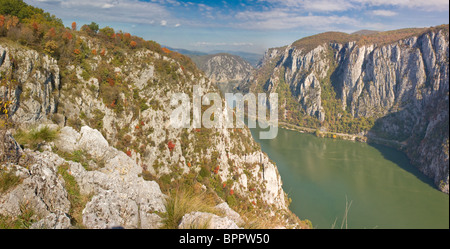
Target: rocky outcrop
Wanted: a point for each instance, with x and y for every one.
(403, 84)
(38, 79)
(133, 140)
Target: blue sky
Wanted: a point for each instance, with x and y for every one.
(245, 25)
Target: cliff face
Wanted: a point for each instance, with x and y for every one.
(120, 124)
(225, 70)
(403, 85)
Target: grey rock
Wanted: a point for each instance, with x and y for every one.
(196, 220)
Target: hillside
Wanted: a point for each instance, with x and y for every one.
(86, 140)
(387, 85)
(226, 70)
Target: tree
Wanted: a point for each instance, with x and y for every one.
(107, 31)
(67, 36)
(51, 33)
(133, 44)
(74, 26)
(50, 47)
(94, 27)
(12, 22)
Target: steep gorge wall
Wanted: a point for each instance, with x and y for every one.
(403, 85)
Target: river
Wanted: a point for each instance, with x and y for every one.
(379, 184)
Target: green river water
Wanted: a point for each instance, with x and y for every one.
(385, 191)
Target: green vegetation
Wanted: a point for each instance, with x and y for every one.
(8, 180)
(77, 200)
(23, 221)
(34, 139)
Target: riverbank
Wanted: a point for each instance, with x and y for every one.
(369, 138)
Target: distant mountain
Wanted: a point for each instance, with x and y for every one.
(251, 58)
(186, 52)
(226, 70)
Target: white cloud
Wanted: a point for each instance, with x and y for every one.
(177, 25)
(126, 11)
(163, 22)
(342, 5)
(383, 13)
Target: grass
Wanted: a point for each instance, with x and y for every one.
(344, 223)
(81, 157)
(23, 221)
(8, 180)
(35, 138)
(184, 201)
(77, 200)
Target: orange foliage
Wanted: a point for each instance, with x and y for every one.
(189, 165)
(166, 50)
(2, 21)
(171, 146)
(133, 44)
(216, 170)
(51, 32)
(129, 153)
(35, 26)
(110, 81)
(102, 53)
(67, 36)
(127, 35)
(74, 26)
(94, 51)
(12, 22)
(231, 192)
(77, 51)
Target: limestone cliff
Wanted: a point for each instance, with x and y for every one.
(113, 111)
(393, 85)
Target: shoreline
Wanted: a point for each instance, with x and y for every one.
(343, 136)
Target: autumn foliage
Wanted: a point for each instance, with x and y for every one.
(171, 146)
(166, 50)
(133, 44)
(74, 26)
(67, 36)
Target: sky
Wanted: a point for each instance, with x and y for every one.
(245, 25)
